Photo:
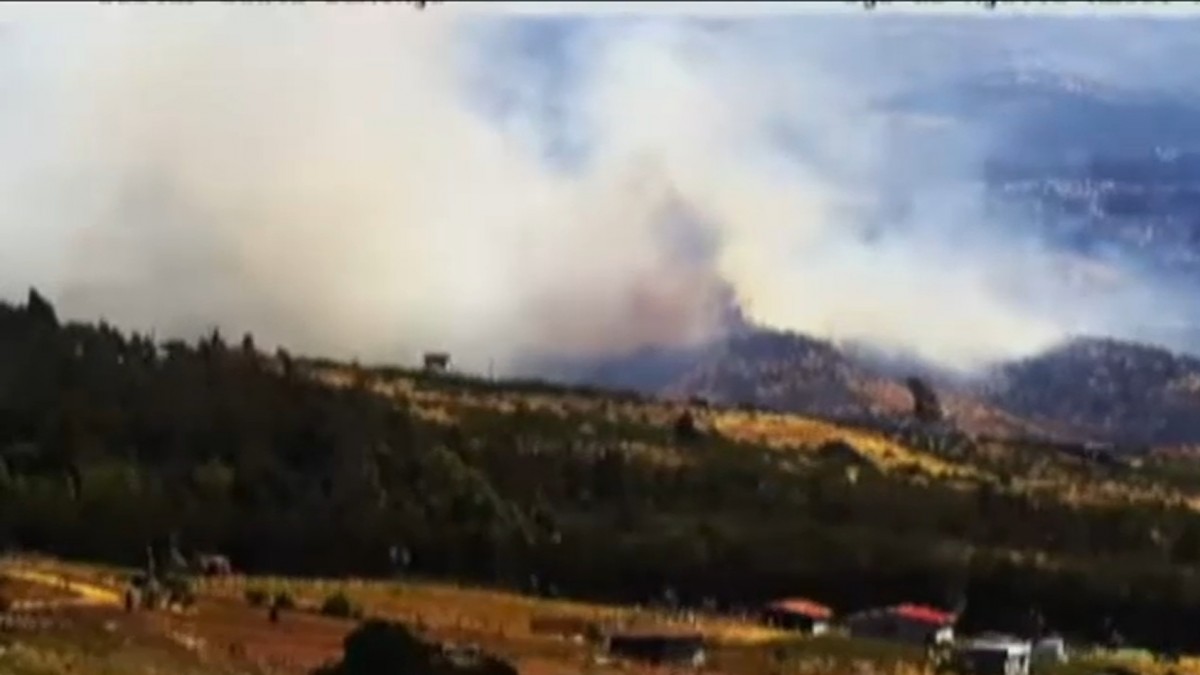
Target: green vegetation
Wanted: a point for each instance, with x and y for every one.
(108, 441)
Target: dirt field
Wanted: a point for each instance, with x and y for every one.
(224, 631)
(237, 633)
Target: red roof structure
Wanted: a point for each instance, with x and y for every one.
(802, 607)
(923, 614)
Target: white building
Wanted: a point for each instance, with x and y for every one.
(993, 656)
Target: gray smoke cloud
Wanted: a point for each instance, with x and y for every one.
(374, 181)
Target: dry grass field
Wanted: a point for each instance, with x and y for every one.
(224, 635)
(800, 433)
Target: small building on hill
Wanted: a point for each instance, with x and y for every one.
(797, 614)
(916, 624)
(437, 362)
(658, 648)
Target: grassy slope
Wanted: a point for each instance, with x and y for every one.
(997, 463)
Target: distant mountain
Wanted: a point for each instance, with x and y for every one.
(1107, 390)
(1089, 389)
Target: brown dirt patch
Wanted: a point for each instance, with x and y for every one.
(298, 643)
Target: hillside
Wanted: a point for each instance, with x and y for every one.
(1106, 389)
(755, 368)
(302, 466)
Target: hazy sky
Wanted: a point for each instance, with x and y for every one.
(374, 181)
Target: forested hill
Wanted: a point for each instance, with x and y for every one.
(109, 440)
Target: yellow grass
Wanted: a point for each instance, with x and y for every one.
(446, 606)
(99, 579)
(86, 593)
(786, 432)
(796, 432)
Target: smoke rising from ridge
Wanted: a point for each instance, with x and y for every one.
(374, 181)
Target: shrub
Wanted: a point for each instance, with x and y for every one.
(257, 597)
(339, 605)
(686, 430)
(378, 646)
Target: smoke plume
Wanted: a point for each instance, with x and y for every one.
(373, 181)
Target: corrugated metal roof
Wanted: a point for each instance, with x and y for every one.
(923, 613)
(801, 606)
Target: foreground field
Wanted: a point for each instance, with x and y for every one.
(88, 633)
(224, 634)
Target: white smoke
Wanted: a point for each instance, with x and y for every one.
(332, 178)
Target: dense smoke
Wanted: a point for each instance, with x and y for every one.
(374, 181)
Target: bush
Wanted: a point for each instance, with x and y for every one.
(257, 597)
(339, 605)
(284, 600)
(686, 430)
(388, 647)
(380, 647)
